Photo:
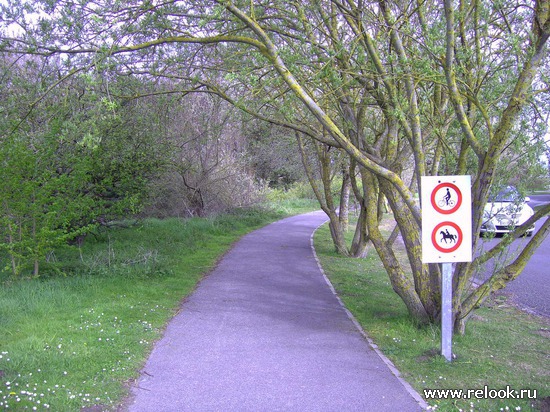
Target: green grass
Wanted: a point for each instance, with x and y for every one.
(502, 345)
(77, 336)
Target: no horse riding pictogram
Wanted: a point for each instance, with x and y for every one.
(447, 237)
(446, 219)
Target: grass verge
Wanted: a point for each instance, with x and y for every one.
(74, 340)
(502, 348)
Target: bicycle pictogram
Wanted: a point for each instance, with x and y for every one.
(446, 219)
(446, 200)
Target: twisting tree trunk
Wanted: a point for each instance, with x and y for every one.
(323, 194)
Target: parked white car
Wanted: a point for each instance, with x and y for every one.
(505, 211)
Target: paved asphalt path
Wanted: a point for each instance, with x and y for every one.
(265, 332)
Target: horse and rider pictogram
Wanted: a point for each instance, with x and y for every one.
(447, 237)
(446, 203)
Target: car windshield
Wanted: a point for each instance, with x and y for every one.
(509, 194)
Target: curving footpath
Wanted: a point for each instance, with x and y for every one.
(265, 332)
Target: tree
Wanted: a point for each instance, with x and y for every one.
(272, 153)
(35, 186)
(77, 160)
(385, 81)
(206, 172)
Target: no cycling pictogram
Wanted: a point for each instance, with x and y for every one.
(446, 198)
(446, 219)
(447, 237)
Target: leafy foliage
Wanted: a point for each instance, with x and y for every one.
(71, 160)
(401, 89)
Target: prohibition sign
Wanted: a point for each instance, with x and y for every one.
(454, 242)
(457, 202)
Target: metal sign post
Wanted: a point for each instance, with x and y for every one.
(446, 238)
(447, 310)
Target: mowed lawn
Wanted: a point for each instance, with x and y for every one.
(503, 350)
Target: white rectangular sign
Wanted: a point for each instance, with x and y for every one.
(446, 219)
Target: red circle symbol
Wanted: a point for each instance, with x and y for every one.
(450, 239)
(441, 203)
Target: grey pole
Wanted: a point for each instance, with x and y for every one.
(447, 311)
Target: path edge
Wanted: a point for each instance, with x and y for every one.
(416, 396)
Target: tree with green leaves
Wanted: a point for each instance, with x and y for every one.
(75, 161)
(405, 89)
